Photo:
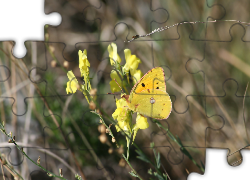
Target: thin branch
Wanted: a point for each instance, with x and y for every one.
(177, 24)
(244, 114)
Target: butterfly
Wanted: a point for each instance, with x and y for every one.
(149, 97)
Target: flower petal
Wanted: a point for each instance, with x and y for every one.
(83, 63)
(136, 75)
(141, 123)
(72, 84)
(114, 57)
(114, 87)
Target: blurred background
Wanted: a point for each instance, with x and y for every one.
(206, 70)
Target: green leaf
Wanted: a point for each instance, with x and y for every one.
(143, 159)
(158, 161)
(142, 156)
(179, 141)
(132, 174)
(165, 176)
(158, 176)
(203, 166)
(150, 171)
(152, 145)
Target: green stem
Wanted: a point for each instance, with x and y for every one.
(134, 171)
(129, 139)
(52, 174)
(183, 149)
(128, 144)
(158, 171)
(103, 122)
(51, 53)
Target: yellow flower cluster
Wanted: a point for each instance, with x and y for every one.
(83, 64)
(72, 84)
(131, 65)
(122, 114)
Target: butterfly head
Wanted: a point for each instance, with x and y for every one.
(125, 96)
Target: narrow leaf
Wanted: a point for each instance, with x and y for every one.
(132, 174)
(158, 161)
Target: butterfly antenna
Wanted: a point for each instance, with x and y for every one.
(177, 24)
(118, 85)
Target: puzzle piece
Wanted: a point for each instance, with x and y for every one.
(235, 122)
(91, 15)
(31, 28)
(228, 16)
(184, 11)
(217, 167)
(215, 92)
(176, 62)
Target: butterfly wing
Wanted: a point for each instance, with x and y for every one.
(153, 103)
(153, 79)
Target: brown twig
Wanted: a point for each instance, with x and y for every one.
(2, 171)
(244, 114)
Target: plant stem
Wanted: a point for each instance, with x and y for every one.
(13, 141)
(134, 171)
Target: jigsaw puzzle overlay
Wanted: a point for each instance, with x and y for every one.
(48, 96)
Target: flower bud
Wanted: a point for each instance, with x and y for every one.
(120, 150)
(93, 92)
(107, 130)
(53, 63)
(103, 138)
(122, 163)
(102, 128)
(51, 48)
(92, 105)
(46, 36)
(66, 64)
(111, 150)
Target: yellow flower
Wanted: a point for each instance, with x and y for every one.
(122, 115)
(123, 125)
(72, 84)
(113, 85)
(84, 68)
(136, 75)
(141, 123)
(132, 62)
(114, 57)
(83, 63)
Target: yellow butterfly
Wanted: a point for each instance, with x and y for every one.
(149, 96)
